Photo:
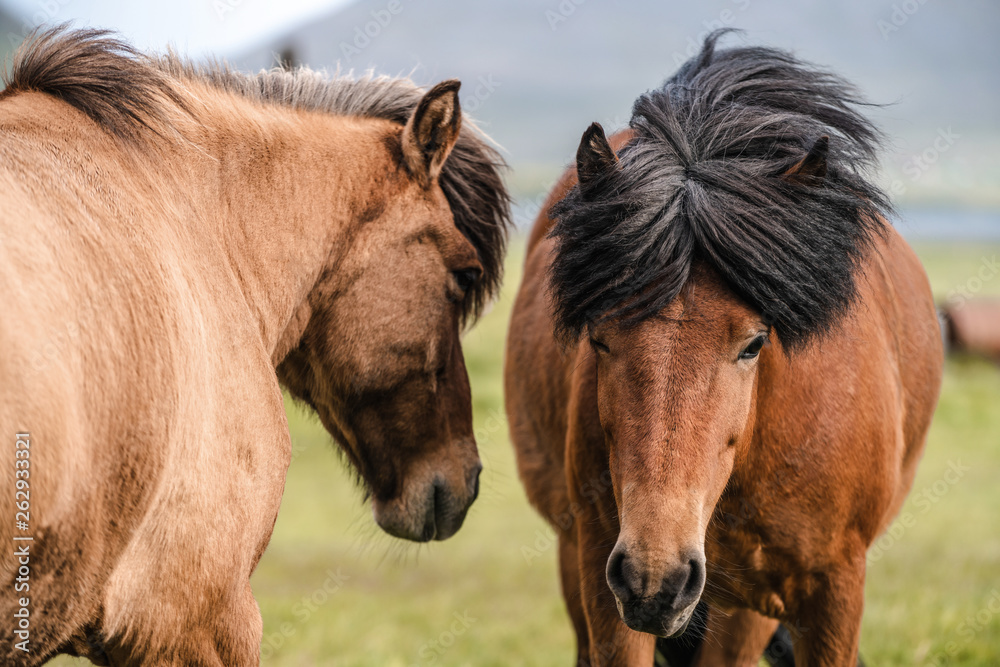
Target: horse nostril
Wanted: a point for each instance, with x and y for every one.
(434, 505)
(475, 482)
(683, 586)
(621, 577)
(695, 581)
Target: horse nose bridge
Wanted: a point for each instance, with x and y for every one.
(674, 410)
(664, 475)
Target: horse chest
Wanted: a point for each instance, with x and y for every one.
(746, 569)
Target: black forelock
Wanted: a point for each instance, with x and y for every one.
(701, 181)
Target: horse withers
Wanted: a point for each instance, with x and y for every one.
(177, 242)
(722, 365)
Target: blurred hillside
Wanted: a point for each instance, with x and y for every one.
(10, 33)
(537, 73)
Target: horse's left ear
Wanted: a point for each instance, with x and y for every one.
(594, 159)
(432, 130)
(810, 170)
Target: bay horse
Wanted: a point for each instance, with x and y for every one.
(178, 242)
(722, 364)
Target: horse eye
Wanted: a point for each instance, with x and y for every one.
(466, 278)
(599, 346)
(753, 349)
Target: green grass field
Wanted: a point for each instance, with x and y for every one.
(333, 590)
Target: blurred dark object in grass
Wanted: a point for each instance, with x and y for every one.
(973, 326)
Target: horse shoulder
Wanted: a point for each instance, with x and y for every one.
(853, 405)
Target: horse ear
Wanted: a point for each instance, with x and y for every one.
(432, 130)
(594, 158)
(810, 170)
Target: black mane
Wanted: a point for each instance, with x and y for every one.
(701, 181)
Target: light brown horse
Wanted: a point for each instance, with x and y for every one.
(175, 243)
(721, 367)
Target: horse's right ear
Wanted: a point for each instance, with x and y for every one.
(432, 130)
(594, 159)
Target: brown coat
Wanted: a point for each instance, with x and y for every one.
(824, 444)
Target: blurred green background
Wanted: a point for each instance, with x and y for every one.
(334, 590)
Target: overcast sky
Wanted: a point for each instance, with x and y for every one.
(193, 27)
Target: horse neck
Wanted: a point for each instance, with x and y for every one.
(290, 185)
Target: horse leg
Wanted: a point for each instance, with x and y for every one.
(180, 594)
(569, 577)
(611, 642)
(828, 629)
(236, 632)
(222, 631)
(737, 637)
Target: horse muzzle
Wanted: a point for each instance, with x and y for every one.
(659, 604)
(434, 510)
